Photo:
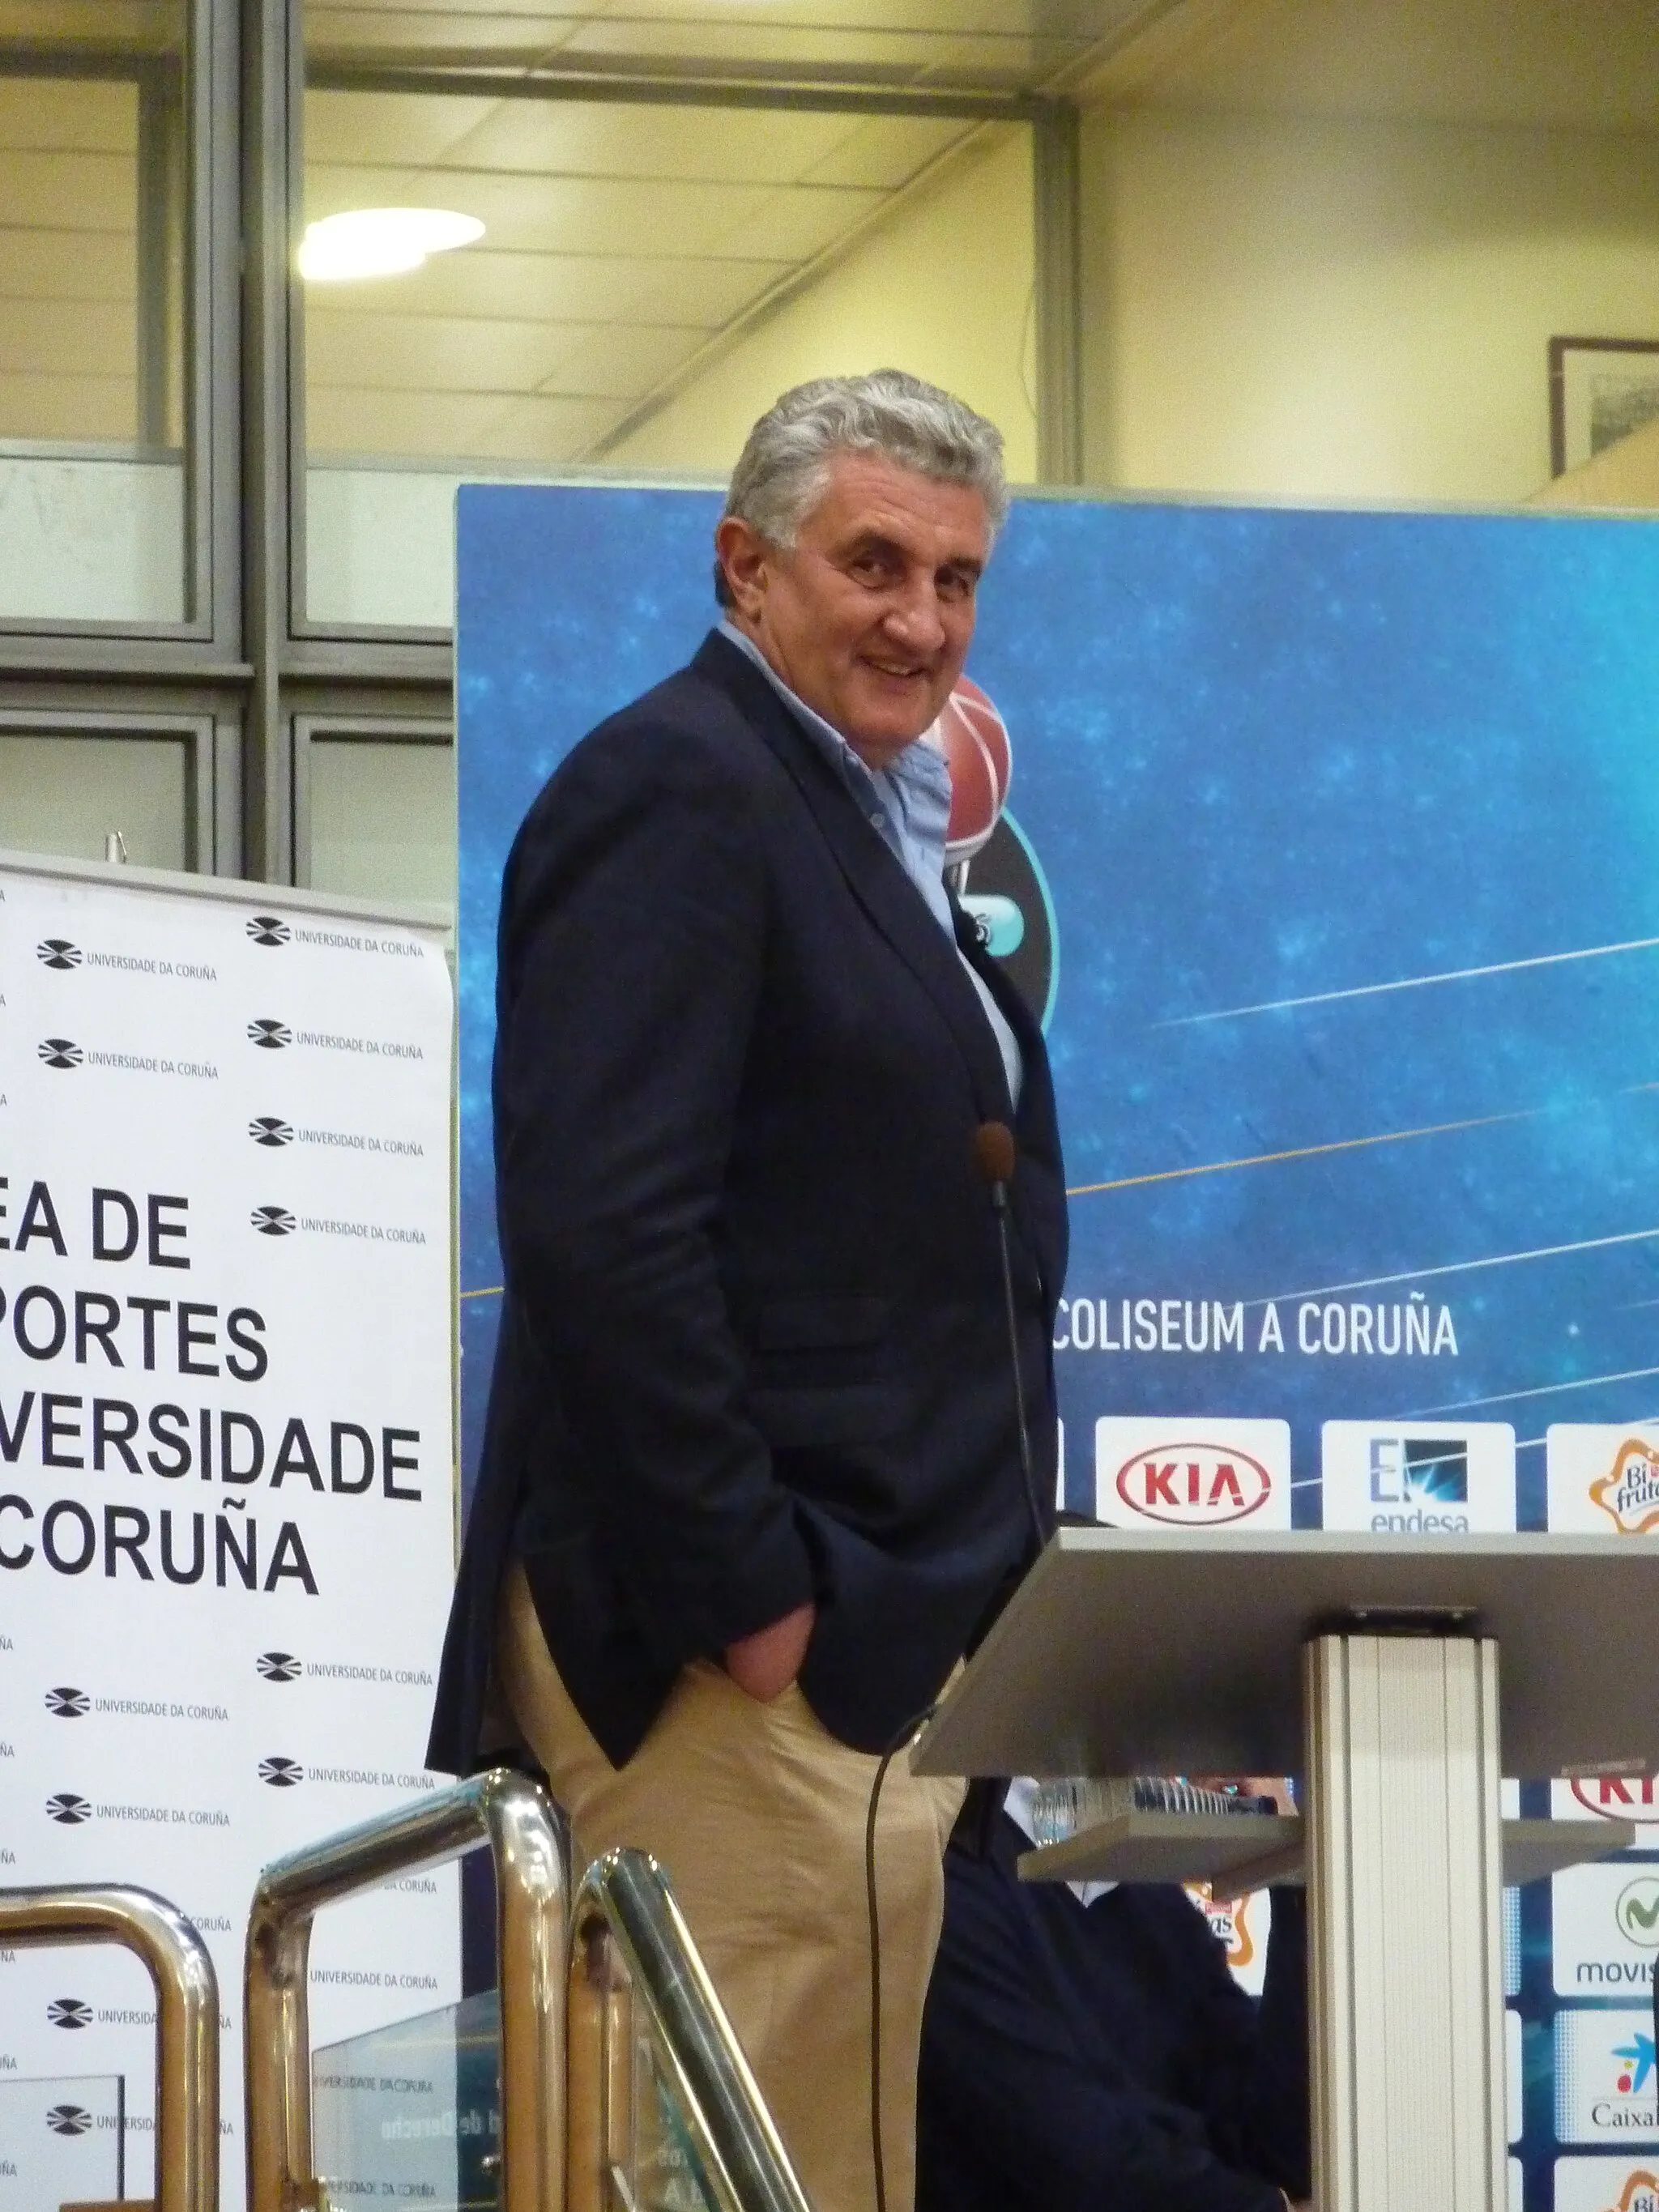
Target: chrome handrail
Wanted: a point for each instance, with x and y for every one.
(525, 1835)
(187, 2017)
(625, 1914)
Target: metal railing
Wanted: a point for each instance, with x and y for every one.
(186, 2018)
(630, 1947)
(524, 1833)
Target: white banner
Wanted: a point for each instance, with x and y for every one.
(226, 1441)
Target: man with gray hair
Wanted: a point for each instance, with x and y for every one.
(751, 1480)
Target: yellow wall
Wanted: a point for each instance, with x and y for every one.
(942, 288)
(1296, 306)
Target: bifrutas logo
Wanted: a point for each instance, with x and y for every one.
(68, 2119)
(1638, 1911)
(1195, 1486)
(268, 929)
(1619, 1796)
(267, 1129)
(1639, 2194)
(57, 952)
(273, 1220)
(1629, 1496)
(67, 1809)
(271, 1034)
(69, 2012)
(69, 1704)
(60, 1052)
(279, 1666)
(280, 1772)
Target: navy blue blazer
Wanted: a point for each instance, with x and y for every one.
(1103, 2058)
(753, 1348)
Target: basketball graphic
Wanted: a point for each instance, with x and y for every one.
(974, 739)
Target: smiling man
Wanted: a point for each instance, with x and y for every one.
(751, 1477)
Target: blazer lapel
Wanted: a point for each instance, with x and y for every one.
(874, 876)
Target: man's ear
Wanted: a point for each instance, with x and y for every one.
(744, 557)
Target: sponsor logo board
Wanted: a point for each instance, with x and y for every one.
(1607, 2185)
(1192, 1472)
(1633, 1797)
(1605, 2091)
(1418, 1478)
(1605, 1928)
(1603, 1480)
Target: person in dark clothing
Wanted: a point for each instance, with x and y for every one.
(1098, 2056)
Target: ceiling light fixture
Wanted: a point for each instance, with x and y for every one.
(381, 241)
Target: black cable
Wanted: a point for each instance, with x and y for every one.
(1028, 1473)
(877, 2161)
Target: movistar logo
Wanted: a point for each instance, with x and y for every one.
(1638, 1911)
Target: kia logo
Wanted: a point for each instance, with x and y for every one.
(273, 1220)
(69, 2011)
(1618, 1797)
(60, 1052)
(67, 1809)
(266, 929)
(279, 1666)
(271, 1035)
(69, 1704)
(281, 1773)
(1193, 1485)
(59, 952)
(68, 2119)
(267, 1129)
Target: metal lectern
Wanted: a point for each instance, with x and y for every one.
(1370, 1665)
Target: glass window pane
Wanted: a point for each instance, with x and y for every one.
(94, 170)
(622, 302)
(66, 794)
(383, 819)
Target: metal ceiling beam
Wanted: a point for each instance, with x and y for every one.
(797, 96)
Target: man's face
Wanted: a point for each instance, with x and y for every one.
(867, 616)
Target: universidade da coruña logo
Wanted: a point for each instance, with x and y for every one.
(60, 1052)
(268, 929)
(69, 1704)
(271, 1034)
(67, 1809)
(69, 2012)
(279, 1666)
(269, 1129)
(68, 2119)
(281, 1773)
(273, 1221)
(57, 952)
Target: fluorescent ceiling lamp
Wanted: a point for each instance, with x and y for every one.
(381, 241)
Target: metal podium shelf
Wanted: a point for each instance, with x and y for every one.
(186, 2018)
(621, 2086)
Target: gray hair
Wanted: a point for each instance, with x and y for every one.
(784, 466)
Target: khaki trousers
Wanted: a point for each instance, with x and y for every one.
(757, 1814)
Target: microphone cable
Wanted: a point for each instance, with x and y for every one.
(996, 1157)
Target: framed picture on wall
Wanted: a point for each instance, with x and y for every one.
(1600, 390)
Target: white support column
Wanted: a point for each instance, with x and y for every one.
(1405, 1895)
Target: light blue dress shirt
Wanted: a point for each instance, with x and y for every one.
(908, 804)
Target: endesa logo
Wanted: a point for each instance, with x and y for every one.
(1194, 1485)
(1629, 1496)
(1620, 1796)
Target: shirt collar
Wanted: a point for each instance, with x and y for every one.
(919, 768)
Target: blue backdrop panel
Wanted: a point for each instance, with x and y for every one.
(1342, 827)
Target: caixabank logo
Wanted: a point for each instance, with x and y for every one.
(1628, 1494)
(1192, 1473)
(1605, 2090)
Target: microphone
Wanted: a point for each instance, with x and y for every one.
(995, 1154)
